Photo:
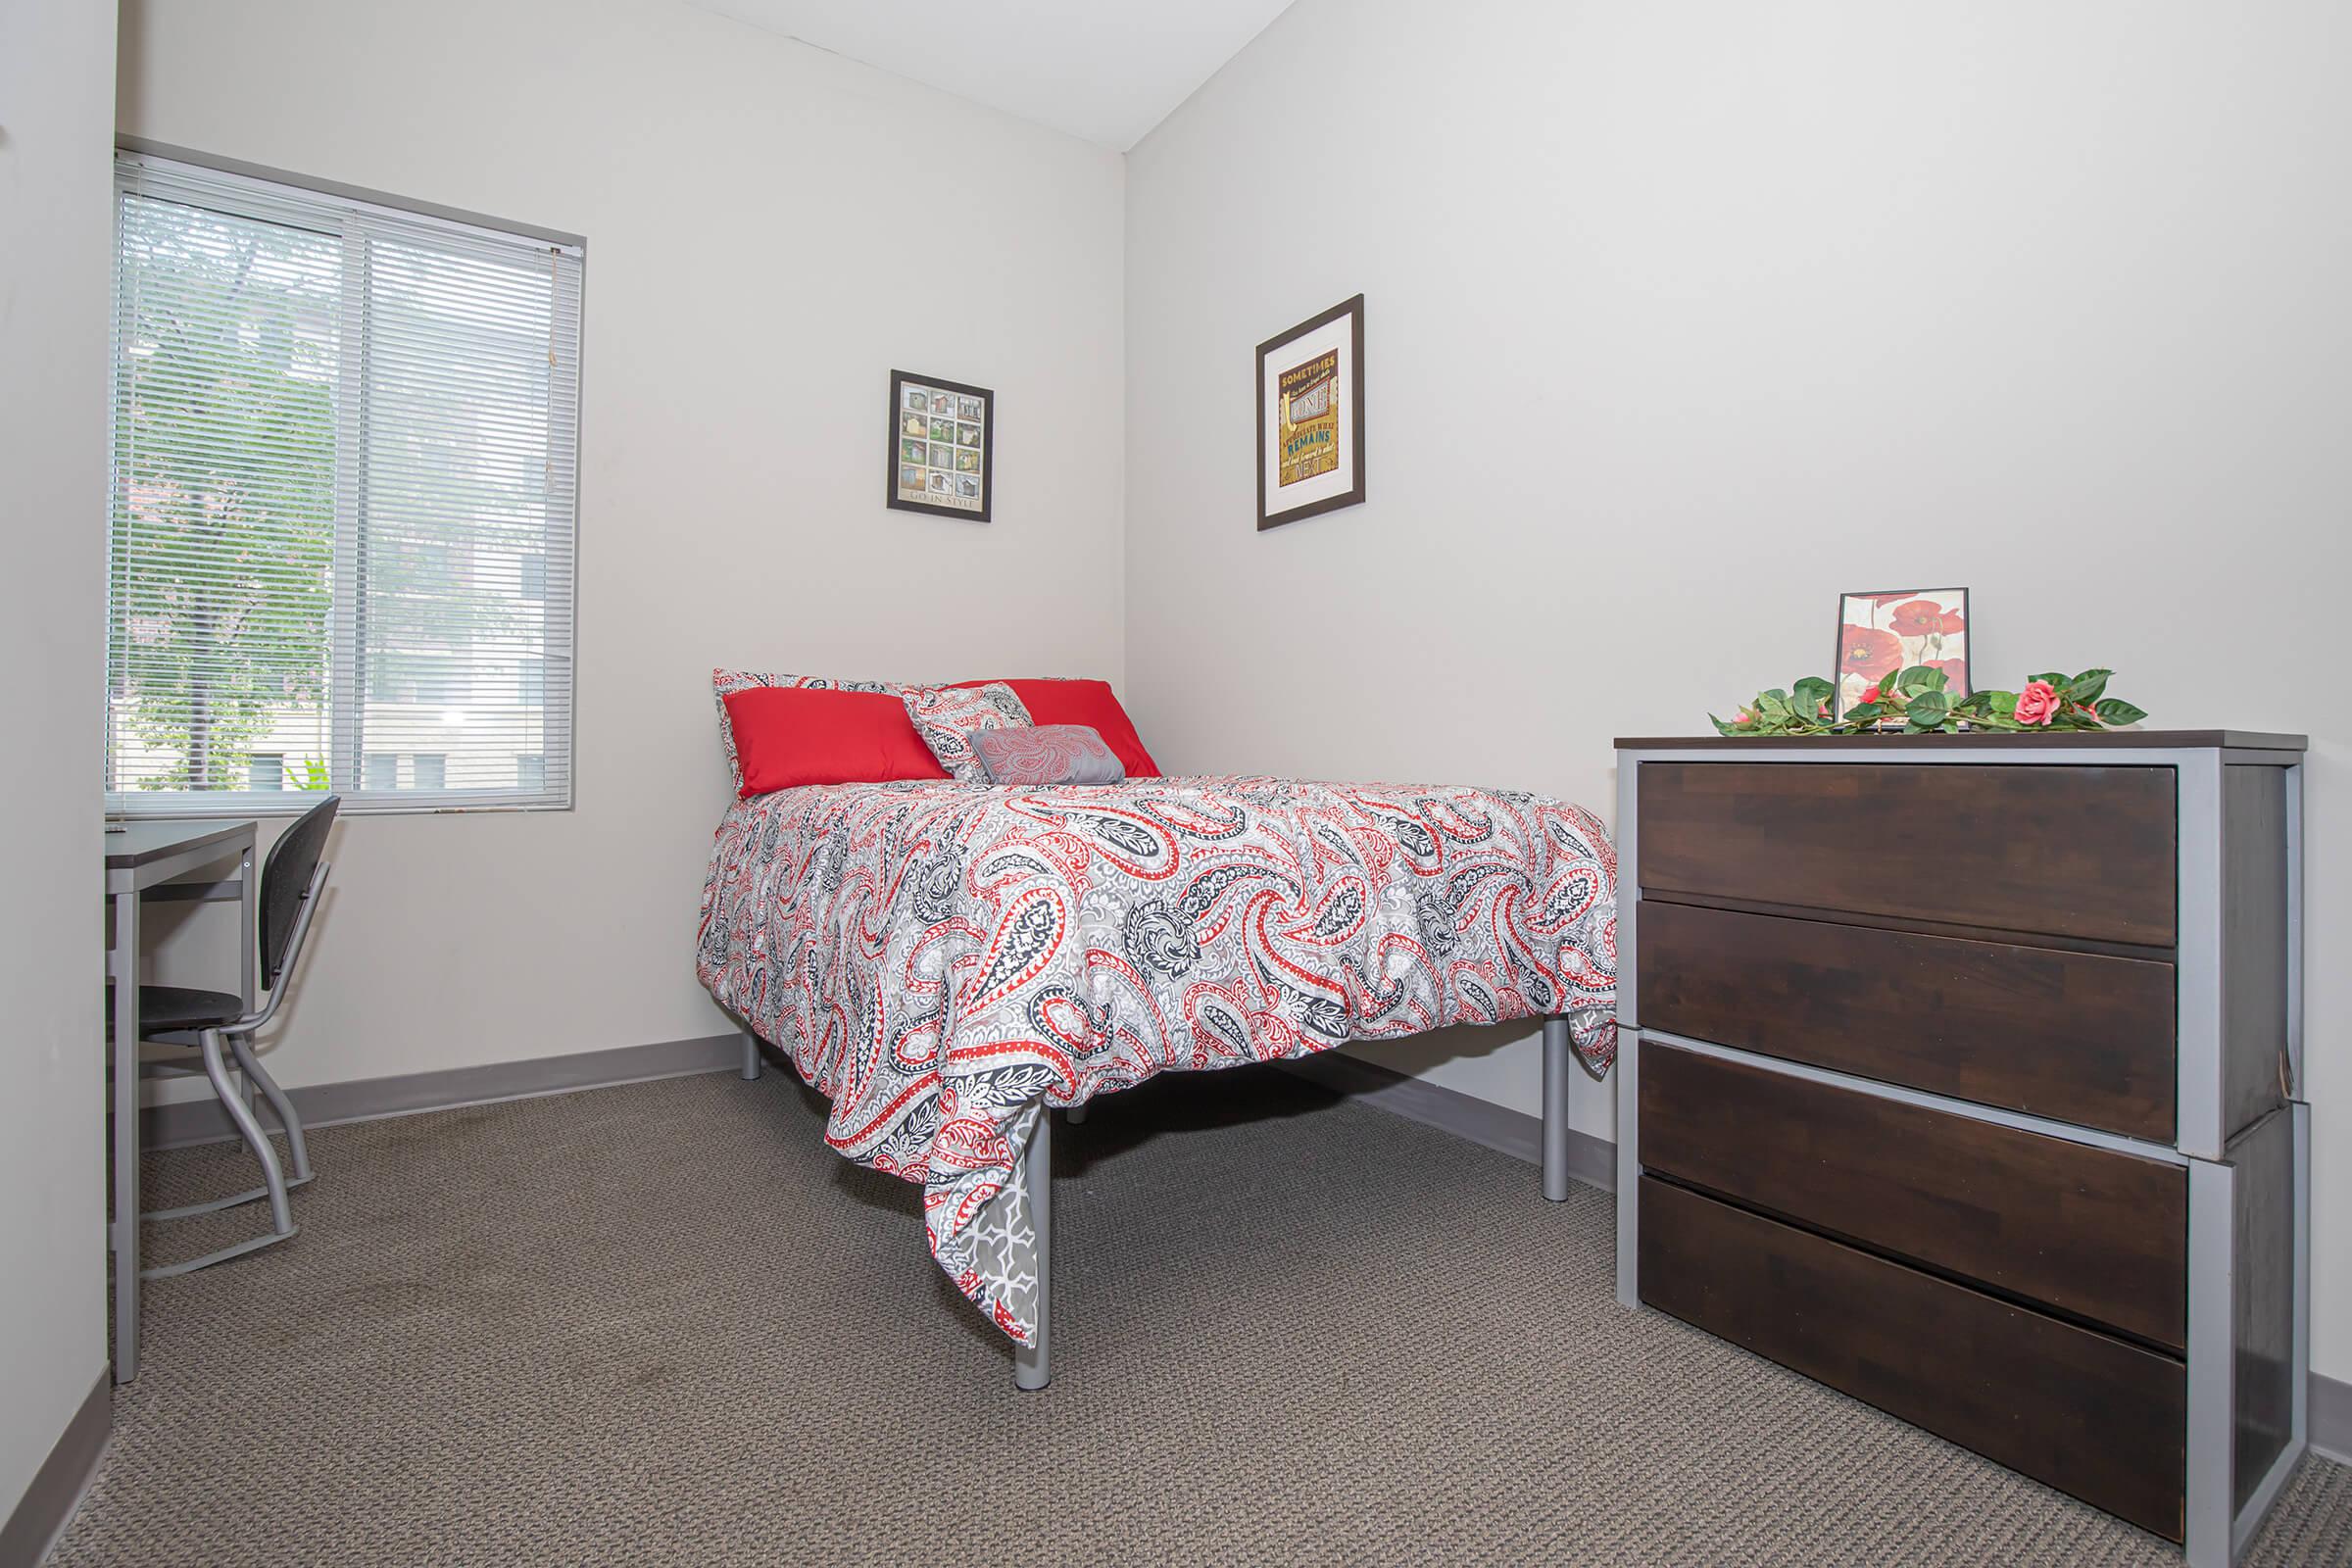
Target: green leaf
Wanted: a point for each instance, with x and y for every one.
(1809, 693)
(1997, 722)
(2050, 675)
(1920, 678)
(1721, 728)
(1930, 708)
(2087, 687)
(1864, 712)
(2115, 711)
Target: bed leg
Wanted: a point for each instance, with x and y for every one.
(750, 1056)
(1076, 1115)
(1032, 1367)
(1556, 1068)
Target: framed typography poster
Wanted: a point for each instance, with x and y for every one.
(942, 446)
(1311, 416)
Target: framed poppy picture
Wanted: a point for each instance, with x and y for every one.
(1880, 633)
(943, 444)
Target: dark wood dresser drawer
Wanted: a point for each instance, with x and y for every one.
(2085, 853)
(2093, 1416)
(2078, 1037)
(2092, 1232)
(1960, 1072)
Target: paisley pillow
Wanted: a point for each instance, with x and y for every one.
(1059, 700)
(725, 683)
(947, 718)
(1047, 754)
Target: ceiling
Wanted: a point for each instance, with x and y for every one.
(1105, 70)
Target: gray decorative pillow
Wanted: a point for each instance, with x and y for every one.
(1046, 754)
(946, 717)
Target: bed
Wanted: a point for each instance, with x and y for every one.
(948, 963)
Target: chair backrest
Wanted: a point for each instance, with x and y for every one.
(287, 882)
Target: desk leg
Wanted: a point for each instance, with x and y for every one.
(248, 951)
(123, 966)
(249, 940)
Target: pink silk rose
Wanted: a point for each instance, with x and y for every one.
(2037, 704)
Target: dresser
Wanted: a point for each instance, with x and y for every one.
(1963, 1074)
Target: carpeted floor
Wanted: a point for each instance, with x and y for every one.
(663, 1324)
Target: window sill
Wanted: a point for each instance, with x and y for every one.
(293, 802)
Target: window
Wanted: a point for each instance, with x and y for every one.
(342, 508)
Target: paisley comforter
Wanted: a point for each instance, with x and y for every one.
(943, 960)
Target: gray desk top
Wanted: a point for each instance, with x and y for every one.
(141, 842)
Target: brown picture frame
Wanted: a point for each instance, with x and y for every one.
(1353, 308)
(957, 449)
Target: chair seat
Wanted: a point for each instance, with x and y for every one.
(163, 1007)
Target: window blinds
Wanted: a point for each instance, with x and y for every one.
(342, 506)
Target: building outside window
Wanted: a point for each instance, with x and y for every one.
(342, 513)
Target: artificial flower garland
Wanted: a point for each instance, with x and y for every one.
(1918, 702)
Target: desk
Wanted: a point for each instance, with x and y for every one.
(158, 860)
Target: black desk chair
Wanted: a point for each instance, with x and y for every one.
(293, 878)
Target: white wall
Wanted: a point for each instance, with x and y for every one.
(1684, 317)
(771, 231)
(57, 95)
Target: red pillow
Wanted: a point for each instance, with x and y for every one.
(792, 735)
(1091, 703)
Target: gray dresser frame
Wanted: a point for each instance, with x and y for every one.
(2216, 1534)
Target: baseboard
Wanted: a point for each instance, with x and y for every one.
(203, 1121)
(2329, 1418)
(1591, 1161)
(40, 1515)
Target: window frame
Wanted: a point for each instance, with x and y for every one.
(280, 197)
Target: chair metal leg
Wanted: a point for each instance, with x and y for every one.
(241, 1046)
(281, 1215)
(251, 1074)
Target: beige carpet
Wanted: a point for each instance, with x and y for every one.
(663, 1324)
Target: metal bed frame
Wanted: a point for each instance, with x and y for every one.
(1032, 1363)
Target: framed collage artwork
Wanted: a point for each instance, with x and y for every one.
(1311, 416)
(941, 447)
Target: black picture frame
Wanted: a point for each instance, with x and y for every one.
(894, 491)
(1837, 703)
(1353, 308)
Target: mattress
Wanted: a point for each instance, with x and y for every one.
(944, 961)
